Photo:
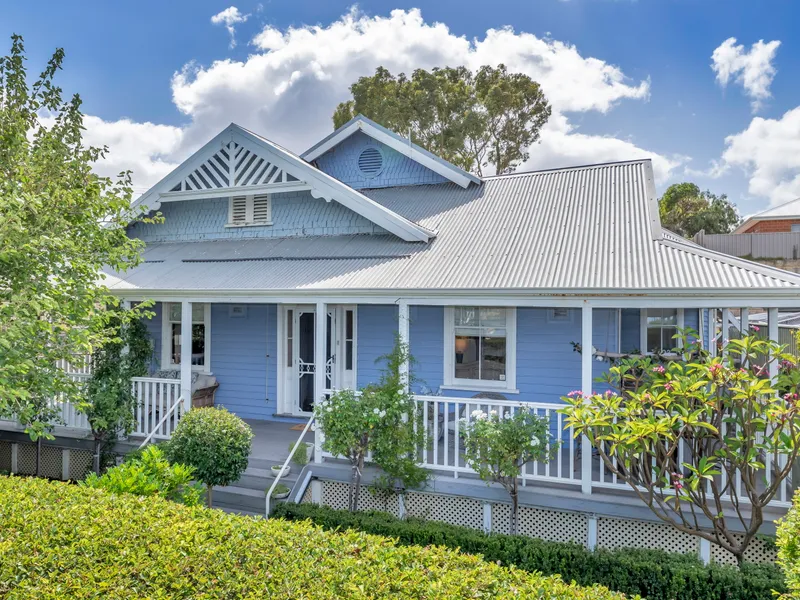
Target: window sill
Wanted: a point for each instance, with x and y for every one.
(466, 387)
(237, 225)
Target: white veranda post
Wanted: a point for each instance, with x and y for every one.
(403, 332)
(586, 388)
(186, 354)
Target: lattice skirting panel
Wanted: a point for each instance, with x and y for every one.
(335, 493)
(456, 510)
(306, 496)
(56, 462)
(5, 457)
(624, 533)
(551, 525)
(757, 551)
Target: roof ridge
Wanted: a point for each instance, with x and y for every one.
(570, 168)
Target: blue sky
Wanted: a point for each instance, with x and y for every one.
(626, 78)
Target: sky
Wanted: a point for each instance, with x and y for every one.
(708, 89)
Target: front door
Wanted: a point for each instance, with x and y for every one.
(298, 323)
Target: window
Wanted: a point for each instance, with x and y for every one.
(480, 346)
(172, 338)
(795, 227)
(244, 211)
(659, 326)
(559, 315)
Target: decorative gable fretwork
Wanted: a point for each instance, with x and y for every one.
(233, 165)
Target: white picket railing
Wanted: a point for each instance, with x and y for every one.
(154, 399)
(444, 420)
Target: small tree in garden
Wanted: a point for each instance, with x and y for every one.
(110, 403)
(498, 446)
(704, 441)
(379, 419)
(215, 443)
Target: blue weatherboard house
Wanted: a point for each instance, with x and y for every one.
(295, 274)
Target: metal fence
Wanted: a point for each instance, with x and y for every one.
(753, 245)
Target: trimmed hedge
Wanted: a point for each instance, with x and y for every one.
(789, 547)
(64, 541)
(653, 574)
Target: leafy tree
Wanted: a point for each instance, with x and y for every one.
(215, 443)
(686, 210)
(149, 473)
(498, 446)
(60, 224)
(110, 404)
(382, 419)
(473, 120)
(699, 434)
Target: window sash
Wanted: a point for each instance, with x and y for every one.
(480, 347)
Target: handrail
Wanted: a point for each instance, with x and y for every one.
(163, 420)
(286, 462)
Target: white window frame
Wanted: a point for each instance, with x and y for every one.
(166, 341)
(249, 219)
(643, 330)
(452, 382)
(794, 228)
(552, 317)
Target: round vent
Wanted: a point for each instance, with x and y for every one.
(370, 162)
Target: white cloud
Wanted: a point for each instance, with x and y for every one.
(768, 151)
(752, 69)
(230, 17)
(288, 88)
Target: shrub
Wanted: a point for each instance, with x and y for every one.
(62, 541)
(149, 474)
(654, 574)
(788, 540)
(215, 443)
(300, 457)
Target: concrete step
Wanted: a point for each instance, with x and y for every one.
(240, 498)
(261, 479)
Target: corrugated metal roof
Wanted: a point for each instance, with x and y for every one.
(585, 228)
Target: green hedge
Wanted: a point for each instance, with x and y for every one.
(60, 541)
(654, 574)
(789, 547)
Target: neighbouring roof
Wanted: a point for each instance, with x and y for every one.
(581, 230)
(785, 319)
(394, 141)
(787, 210)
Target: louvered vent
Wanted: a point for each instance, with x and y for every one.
(370, 162)
(238, 210)
(261, 209)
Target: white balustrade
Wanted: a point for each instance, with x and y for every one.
(154, 398)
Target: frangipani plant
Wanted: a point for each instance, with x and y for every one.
(705, 442)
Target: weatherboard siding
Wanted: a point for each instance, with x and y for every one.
(377, 326)
(295, 214)
(341, 162)
(244, 359)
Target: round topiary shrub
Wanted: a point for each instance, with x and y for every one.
(215, 443)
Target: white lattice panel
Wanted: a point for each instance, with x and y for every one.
(758, 551)
(450, 509)
(549, 525)
(80, 463)
(5, 457)
(26, 459)
(625, 533)
(51, 462)
(306, 499)
(335, 494)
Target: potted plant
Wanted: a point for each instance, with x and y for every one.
(281, 492)
(276, 470)
(303, 454)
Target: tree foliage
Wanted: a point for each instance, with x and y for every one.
(788, 539)
(110, 402)
(706, 442)
(213, 442)
(498, 446)
(383, 419)
(474, 120)
(60, 224)
(686, 210)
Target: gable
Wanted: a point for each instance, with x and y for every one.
(362, 162)
(238, 162)
(364, 126)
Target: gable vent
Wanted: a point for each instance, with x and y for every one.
(238, 213)
(370, 162)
